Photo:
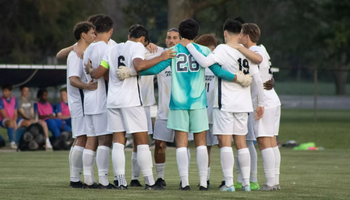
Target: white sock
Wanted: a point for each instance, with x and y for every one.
(144, 160)
(70, 160)
(253, 161)
(238, 170)
(208, 174)
(118, 160)
(182, 165)
(189, 157)
(269, 165)
(244, 163)
(102, 161)
(202, 162)
(77, 163)
(227, 162)
(135, 168)
(88, 166)
(277, 164)
(160, 168)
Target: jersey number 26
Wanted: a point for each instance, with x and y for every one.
(186, 61)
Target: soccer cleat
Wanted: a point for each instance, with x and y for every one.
(135, 183)
(238, 185)
(122, 187)
(246, 188)
(109, 186)
(160, 182)
(267, 188)
(277, 187)
(76, 184)
(203, 188)
(187, 187)
(116, 182)
(254, 186)
(93, 186)
(208, 184)
(153, 187)
(222, 184)
(228, 189)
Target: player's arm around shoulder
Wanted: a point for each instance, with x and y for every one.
(141, 64)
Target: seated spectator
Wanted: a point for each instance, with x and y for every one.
(8, 114)
(26, 111)
(62, 109)
(45, 111)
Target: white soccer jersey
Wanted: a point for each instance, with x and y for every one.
(127, 93)
(75, 95)
(95, 101)
(111, 43)
(164, 92)
(147, 82)
(210, 85)
(232, 97)
(271, 97)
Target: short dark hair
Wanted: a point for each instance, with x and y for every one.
(138, 32)
(23, 86)
(207, 40)
(41, 93)
(132, 27)
(64, 89)
(233, 26)
(188, 29)
(93, 18)
(7, 86)
(252, 30)
(173, 29)
(82, 27)
(103, 24)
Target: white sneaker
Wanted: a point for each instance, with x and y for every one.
(48, 145)
(13, 145)
(226, 188)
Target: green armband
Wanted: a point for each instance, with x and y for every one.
(104, 64)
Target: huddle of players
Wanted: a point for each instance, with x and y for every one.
(182, 103)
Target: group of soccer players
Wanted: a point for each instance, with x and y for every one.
(208, 94)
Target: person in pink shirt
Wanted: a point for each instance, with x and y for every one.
(62, 109)
(45, 112)
(8, 114)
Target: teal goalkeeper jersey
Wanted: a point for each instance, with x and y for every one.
(187, 78)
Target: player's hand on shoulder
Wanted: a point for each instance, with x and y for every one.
(244, 79)
(152, 48)
(88, 67)
(259, 113)
(268, 85)
(78, 51)
(235, 45)
(92, 85)
(170, 53)
(125, 72)
(184, 42)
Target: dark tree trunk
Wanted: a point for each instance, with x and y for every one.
(340, 78)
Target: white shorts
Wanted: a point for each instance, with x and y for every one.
(96, 125)
(251, 121)
(78, 126)
(229, 123)
(149, 119)
(129, 120)
(211, 139)
(269, 124)
(161, 132)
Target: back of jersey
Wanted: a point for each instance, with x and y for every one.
(95, 101)
(187, 81)
(229, 96)
(127, 93)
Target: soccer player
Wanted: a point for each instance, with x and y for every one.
(26, 111)
(8, 114)
(188, 102)
(232, 103)
(209, 41)
(76, 83)
(95, 110)
(126, 115)
(266, 129)
(62, 110)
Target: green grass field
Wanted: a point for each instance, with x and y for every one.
(304, 174)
